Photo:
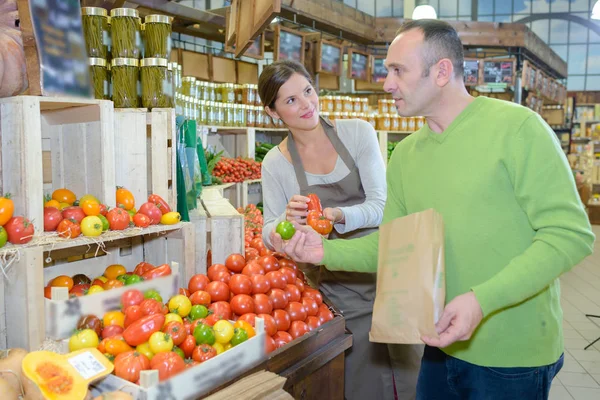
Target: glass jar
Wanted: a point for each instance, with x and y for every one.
(250, 115)
(348, 104)
(210, 113)
(338, 104)
(203, 113)
(125, 74)
(153, 75)
(345, 115)
(372, 119)
(199, 90)
(364, 105)
(403, 124)
(254, 94)
(382, 106)
(100, 73)
(228, 93)
(178, 104)
(241, 115)
(420, 122)
(328, 104)
(411, 124)
(188, 86)
(249, 94)
(179, 77)
(170, 86)
(229, 115)
(383, 122)
(158, 36)
(395, 123)
(219, 113)
(239, 96)
(94, 21)
(218, 93)
(357, 105)
(210, 91)
(125, 27)
(353, 115)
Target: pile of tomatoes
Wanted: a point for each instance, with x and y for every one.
(237, 169)
(16, 230)
(71, 217)
(148, 334)
(253, 223)
(114, 276)
(269, 287)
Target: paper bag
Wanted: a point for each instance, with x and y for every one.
(411, 284)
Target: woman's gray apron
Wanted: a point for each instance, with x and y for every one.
(368, 371)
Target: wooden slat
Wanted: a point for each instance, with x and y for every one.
(131, 160)
(195, 64)
(161, 162)
(327, 81)
(226, 230)
(199, 220)
(223, 69)
(247, 72)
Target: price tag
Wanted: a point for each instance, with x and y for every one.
(87, 365)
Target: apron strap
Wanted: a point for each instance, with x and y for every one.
(335, 140)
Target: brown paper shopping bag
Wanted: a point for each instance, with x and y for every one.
(410, 279)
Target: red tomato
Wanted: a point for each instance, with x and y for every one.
(151, 211)
(200, 297)
(310, 305)
(177, 332)
(312, 293)
(223, 276)
(132, 314)
(253, 268)
(19, 230)
(68, 229)
(184, 292)
(131, 298)
(141, 220)
(111, 330)
(211, 320)
(282, 338)
(188, 345)
(296, 311)
(167, 363)
(142, 268)
(129, 364)
(218, 291)
(300, 285)
(265, 252)
(324, 314)
(79, 290)
(213, 270)
(198, 282)
(289, 274)
(222, 309)
(251, 254)
(276, 279)
(313, 322)
(282, 320)
(73, 213)
(52, 217)
(235, 263)
(270, 325)
(189, 363)
(278, 298)
(293, 293)
(204, 352)
(249, 318)
(151, 307)
(257, 244)
(161, 270)
(262, 304)
(240, 284)
(286, 262)
(140, 331)
(270, 344)
(260, 284)
(269, 263)
(298, 328)
(242, 304)
(48, 292)
(118, 219)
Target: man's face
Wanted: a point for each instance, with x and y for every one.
(413, 93)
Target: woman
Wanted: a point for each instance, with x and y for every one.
(342, 164)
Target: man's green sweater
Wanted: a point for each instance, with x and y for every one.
(513, 223)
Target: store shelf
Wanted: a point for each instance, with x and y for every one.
(240, 129)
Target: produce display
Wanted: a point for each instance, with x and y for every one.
(236, 169)
(114, 276)
(261, 150)
(253, 224)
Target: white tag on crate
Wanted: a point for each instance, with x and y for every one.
(87, 365)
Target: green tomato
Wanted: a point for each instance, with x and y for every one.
(153, 294)
(198, 312)
(122, 278)
(132, 279)
(204, 334)
(239, 336)
(105, 224)
(3, 236)
(286, 230)
(91, 226)
(179, 351)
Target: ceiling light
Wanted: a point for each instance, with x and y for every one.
(426, 12)
(596, 10)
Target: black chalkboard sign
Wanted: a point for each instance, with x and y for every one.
(61, 47)
(471, 72)
(358, 65)
(289, 45)
(378, 69)
(498, 72)
(329, 57)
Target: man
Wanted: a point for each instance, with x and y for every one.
(513, 223)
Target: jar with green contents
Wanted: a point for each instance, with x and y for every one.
(199, 90)
(94, 21)
(196, 110)
(219, 114)
(188, 86)
(228, 93)
(169, 85)
(202, 109)
(211, 91)
(155, 88)
(241, 115)
(219, 93)
(229, 113)
(210, 113)
(125, 74)
(100, 73)
(125, 33)
(158, 36)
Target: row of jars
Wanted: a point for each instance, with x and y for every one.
(122, 35)
(347, 104)
(382, 122)
(220, 92)
(214, 113)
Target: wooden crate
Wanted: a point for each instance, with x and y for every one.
(144, 160)
(27, 268)
(72, 137)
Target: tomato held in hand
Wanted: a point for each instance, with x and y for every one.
(314, 203)
(204, 352)
(319, 223)
(235, 263)
(286, 230)
(168, 364)
(128, 365)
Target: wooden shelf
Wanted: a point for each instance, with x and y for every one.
(240, 129)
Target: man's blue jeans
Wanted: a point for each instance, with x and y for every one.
(447, 378)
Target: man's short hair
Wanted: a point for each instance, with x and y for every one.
(441, 41)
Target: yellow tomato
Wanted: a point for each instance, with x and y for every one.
(246, 326)
(227, 346)
(64, 196)
(218, 347)
(170, 317)
(62, 206)
(144, 349)
(115, 270)
(52, 203)
(160, 342)
(180, 305)
(114, 318)
(88, 197)
(223, 331)
(95, 289)
(170, 218)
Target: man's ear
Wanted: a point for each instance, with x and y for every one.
(273, 114)
(444, 72)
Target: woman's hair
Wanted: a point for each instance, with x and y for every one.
(274, 76)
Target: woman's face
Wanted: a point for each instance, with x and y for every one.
(297, 104)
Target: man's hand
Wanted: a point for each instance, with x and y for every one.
(306, 246)
(335, 215)
(458, 321)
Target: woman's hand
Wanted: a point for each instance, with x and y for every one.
(306, 246)
(335, 215)
(296, 210)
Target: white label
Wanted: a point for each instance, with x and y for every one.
(219, 96)
(330, 107)
(356, 107)
(404, 124)
(250, 96)
(230, 97)
(384, 109)
(239, 98)
(411, 124)
(87, 365)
